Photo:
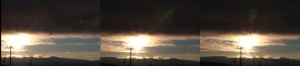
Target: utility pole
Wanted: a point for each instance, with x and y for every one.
(130, 59)
(241, 55)
(10, 61)
(30, 62)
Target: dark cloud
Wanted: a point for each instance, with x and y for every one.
(170, 17)
(234, 16)
(190, 17)
(50, 16)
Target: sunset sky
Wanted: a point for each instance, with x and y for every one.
(269, 46)
(68, 29)
(172, 27)
(74, 28)
(44, 45)
(181, 47)
(184, 29)
(272, 23)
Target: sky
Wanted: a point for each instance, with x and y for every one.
(68, 28)
(45, 45)
(178, 28)
(171, 28)
(158, 46)
(273, 23)
(268, 46)
(77, 29)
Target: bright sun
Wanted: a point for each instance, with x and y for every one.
(17, 41)
(248, 42)
(138, 42)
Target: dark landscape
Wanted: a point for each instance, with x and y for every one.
(224, 61)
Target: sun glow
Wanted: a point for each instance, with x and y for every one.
(137, 43)
(17, 41)
(136, 57)
(248, 42)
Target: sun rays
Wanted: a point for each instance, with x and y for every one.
(137, 43)
(17, 41)
(248, 42)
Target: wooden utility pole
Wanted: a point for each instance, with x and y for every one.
(10, 61)
(241, 56)
(130, 59)
(30, 62)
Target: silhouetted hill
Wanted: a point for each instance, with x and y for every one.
(105, 61)
(207, 61)
(105, 64)
(52, 61)
(214, 64)
(148, 62)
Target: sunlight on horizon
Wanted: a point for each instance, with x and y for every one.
(248, 42)
(144, 57)
(137, 43)
(17, 41)
(26, 56)
(255, 56)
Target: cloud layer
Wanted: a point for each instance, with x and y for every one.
(158, 17)
(257, 16)
(229, 42)
(171, 17)
(55, 16)
(119, 43)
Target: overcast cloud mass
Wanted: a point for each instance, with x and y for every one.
(53, 16)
